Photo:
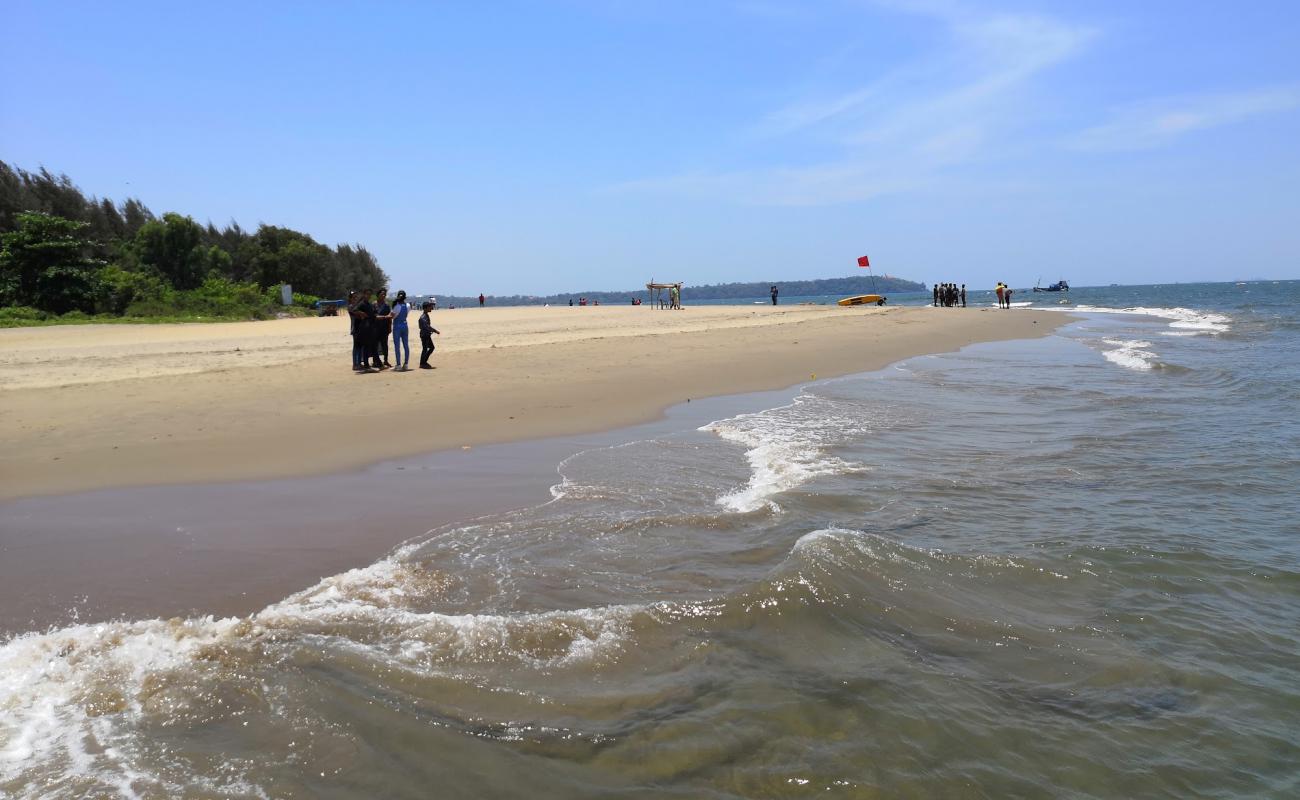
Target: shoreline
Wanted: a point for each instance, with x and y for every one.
(228, 549)
(506, 377)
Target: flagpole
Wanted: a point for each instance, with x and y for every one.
(867, 264)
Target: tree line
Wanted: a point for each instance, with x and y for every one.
(63, 252)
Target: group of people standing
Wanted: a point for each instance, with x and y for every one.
(949, 295)
(374, 320)
(1004, 293)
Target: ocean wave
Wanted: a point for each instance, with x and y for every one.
(1130, 353)
(76, 703)
(786, 448)
(1182, 319)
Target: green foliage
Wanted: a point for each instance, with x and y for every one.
(119, 289)
(172, 247)
(20, 314)
(43, 263)
(61, 251)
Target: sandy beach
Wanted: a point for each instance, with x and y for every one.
(92, 407)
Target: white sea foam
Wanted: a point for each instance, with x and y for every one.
(786, 448)
(73, 700)
(66, 695)
(1182, 319)
(1130, 353)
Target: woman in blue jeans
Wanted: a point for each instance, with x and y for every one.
(401, 336)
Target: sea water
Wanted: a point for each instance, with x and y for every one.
(1060, 567)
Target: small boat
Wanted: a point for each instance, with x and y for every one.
(1059, 286)
(863, 300)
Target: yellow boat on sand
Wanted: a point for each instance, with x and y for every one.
(863, 300)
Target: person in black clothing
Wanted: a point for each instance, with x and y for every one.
(383, 327)
(357, 346)
(426, 336)
(363, 319)
(369, 326)
(963, 295)
(936, 294)
(774, 290)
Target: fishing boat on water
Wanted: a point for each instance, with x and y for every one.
(1059, 286)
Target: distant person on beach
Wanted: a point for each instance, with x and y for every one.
(998, 290)
(963, 295)
(774, 290)
(570, 302)
(1006, 295)
(384, 329)
(481, 300)
(426, 336)
(401, 332)
(936, 295)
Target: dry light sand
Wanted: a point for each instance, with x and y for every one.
(96, 406)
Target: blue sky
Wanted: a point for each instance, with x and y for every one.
(535, 147)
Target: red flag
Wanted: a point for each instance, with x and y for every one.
(863, 262)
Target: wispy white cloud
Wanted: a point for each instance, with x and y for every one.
(1155, 123)
(905, 128)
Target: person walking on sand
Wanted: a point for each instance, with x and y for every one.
(401, 332)
(481, 299)
(774, 291)
(426, 336)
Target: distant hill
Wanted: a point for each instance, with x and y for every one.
(757, 290)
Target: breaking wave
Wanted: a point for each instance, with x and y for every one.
(787, 447)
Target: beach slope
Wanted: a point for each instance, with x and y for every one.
(99, 406)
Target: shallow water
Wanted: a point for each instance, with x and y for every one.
(1063, 566)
